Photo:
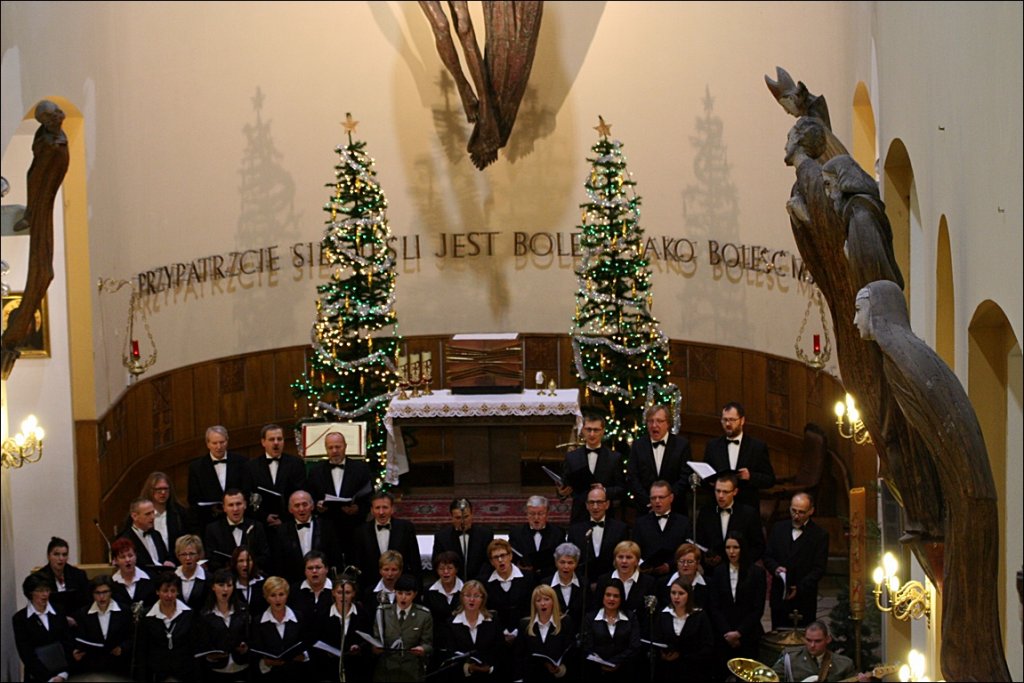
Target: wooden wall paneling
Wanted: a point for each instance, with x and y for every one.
(259, 389)
(776, 394)
(88, 478)
(798, 378)
(233, 399)
(183, 422)
(541, 353)
(753, 390)
(206, 404)
(702, 373)
(287, 369)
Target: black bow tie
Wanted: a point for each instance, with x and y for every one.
(302, 525)
(219, 462)
(149, 533)
(664, 516)
(724, 511)
(594, 451)
(661, 443)
(735, 441)
(382, 527)
(234, 525)
(337, 466)
(600, 524)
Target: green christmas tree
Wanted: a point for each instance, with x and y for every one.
(351, 374)
(621, 355)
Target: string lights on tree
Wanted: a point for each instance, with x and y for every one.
(350, 373)
(621, 354)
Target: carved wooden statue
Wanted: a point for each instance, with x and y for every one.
(936, 405)
(834, 212)
(44, 178)
(499, 76)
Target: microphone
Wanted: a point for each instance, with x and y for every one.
(590, 533)
(651, 603)
(695, 481)
(255, 500)
(382, 599)
(110, 552)
(463, 504)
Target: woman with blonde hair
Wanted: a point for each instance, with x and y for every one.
(545, 639)
(278, 636)
(473, 630)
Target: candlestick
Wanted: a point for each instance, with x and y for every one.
(817, 344)
(135, 348)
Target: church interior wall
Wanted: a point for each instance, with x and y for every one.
(215, 133)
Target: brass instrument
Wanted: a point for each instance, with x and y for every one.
(752, 670)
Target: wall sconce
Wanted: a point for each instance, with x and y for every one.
(911, 600)
(849, 423)
(25, 446)
(913, 670)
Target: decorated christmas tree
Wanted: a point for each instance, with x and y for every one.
(351, 374)
(621, 354)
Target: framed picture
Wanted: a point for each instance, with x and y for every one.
(313, 434)
(37, 345)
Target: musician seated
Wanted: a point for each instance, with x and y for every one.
(815, 659)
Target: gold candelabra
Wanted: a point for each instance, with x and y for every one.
(26, 446)
(910, 600)
(849, 423)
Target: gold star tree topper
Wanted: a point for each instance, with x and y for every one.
(603, 129)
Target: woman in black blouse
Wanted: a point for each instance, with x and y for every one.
(545, 640)
(223, 631)
(279, 637)
(612, 634)
(70, 583)
(685, 630)
(248, 580)
(474, 632)
(346, 615)
(166, 647)
(736, 593)
(102, 633)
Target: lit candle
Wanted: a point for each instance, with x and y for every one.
(135, 348)
(817, 344)
(540, 377)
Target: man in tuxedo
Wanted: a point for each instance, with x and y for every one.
(231, 530)
(742, 454)
(275, 476)
(660, 532)
(149, 546)
(796, 557)
(386, 532)
(593, 463)
(301, 534)
(659, 455)
(341, 477)
(465, 539)
(726, 514)
(597, 537)
(209, 476)
(534, 543)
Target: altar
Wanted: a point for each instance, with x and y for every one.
(483, 437)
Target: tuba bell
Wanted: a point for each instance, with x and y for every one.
(751, 670)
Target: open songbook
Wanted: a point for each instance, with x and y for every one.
(361, 493)
(284, 654)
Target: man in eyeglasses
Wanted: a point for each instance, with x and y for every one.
(592, 463)
(660, 454)
(796, 556)
(741, 453)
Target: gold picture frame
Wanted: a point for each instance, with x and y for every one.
(38, 343)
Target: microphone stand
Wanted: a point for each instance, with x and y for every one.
(651, 603)
(136, 609)
(382, 604)
(694, 484)
(110, 552)
(584, 629)
(341, 646)
(462, 530)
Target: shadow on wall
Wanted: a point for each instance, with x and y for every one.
(266, 215)
(710, 211)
